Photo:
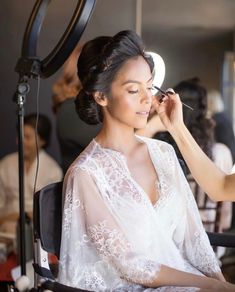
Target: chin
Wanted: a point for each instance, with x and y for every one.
(141, 125)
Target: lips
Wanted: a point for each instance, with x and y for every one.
(142, 113)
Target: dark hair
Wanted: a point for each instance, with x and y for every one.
(199, 124)
(43, 127)
(98, 64)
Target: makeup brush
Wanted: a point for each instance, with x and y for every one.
(169, 92)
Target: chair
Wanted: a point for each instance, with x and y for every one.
(47, 219)
(47, 236)
(210, 211)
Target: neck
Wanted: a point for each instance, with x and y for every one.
(118, 138)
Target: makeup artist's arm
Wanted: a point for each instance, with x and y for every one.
(218, 185)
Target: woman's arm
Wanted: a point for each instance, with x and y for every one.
(218, 185)
(170, 277)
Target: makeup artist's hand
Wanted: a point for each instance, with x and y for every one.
(169, 109)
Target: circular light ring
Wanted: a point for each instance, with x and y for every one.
(158, 71)
(51, 63)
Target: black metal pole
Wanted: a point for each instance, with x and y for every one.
(22, 90)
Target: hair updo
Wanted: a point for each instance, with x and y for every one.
(98, 64)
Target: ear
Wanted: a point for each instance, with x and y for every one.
(100, 98)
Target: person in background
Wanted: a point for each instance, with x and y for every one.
(223, 128)
(49, 172)
(73, 134)
(130, 222)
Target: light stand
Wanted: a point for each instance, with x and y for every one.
(30, 66)
(22, 90)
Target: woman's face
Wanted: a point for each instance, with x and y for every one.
(130, 100)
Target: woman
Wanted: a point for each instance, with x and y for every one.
(130, 222)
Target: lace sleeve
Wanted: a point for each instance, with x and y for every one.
(89, 225)
(196, 245)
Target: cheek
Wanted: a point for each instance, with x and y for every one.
(123, 103)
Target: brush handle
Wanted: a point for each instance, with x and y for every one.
(166, 93)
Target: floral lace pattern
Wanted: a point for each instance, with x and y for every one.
(114, 239)
(94, 281)
(112, 245)
(209, 265)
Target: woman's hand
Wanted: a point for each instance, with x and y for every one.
(223, 286)
(169, 109)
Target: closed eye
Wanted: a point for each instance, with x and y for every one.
(132, 91)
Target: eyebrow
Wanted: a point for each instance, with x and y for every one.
(135, 81)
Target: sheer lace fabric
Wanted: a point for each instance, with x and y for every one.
(114, 239)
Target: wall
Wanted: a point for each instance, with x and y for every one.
(201, 57)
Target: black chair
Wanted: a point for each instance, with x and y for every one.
(47, 237)
(47, 221)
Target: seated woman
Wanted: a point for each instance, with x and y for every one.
(49, 171)
(130, 222)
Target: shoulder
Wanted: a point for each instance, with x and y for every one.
(49, 163)
(87, 160)
(222, 156)
(157, 144)
(80, 171)
(9, 159)
(47, 159)
(220, 148)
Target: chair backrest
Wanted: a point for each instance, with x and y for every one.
(47, 217)
(210, 211)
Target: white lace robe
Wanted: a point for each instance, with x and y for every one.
(113, 237)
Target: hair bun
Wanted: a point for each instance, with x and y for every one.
(87, 108)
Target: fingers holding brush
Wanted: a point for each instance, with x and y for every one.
(169, 108)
